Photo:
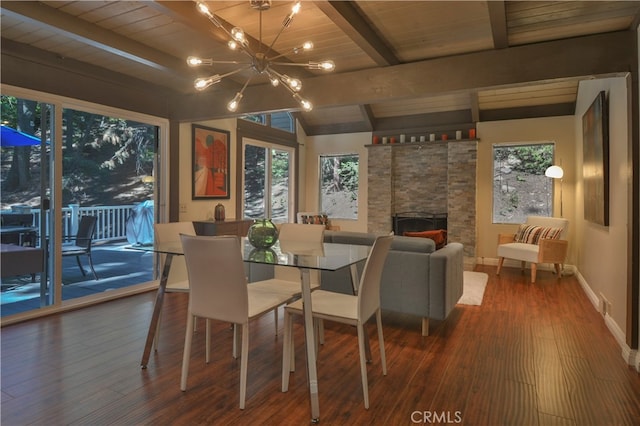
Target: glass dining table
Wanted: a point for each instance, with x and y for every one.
(304, 256)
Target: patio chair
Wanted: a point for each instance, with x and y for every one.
(81, 245)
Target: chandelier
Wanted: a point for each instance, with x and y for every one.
(258, 61)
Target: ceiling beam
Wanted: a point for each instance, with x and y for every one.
(36, 69)
(593, 55)
(498, 19)
(93, 35)
(368, 116)
(347, 16)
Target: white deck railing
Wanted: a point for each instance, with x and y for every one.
(111, 223)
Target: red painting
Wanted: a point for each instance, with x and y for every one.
(210, 163)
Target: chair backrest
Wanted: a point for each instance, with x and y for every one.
(86, 229)
(298, 232)
(369, 288)
(170, 233)
(550, 222)
(218, 287)
(295, 236)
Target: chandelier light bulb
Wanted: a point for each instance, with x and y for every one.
(274, 81)
(204, 82)
(194, 61)
(202, 8)
(293, 83)
(305, 104)
(232, 44)
(307, 45)
(238, 35)
(324, 65)
(233, 104)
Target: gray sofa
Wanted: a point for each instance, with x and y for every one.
(417, 279)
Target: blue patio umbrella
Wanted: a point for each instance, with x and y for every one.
(13, 137)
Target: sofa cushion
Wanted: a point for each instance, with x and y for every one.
(439, 236)
(532, 234)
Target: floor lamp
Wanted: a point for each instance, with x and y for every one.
(556, 172)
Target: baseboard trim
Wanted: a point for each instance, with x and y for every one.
(630, 356)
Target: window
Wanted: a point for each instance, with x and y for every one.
(277, 120)
(339, 185)
(267, 181)
(520, 187)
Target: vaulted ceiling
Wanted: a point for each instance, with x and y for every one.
(418, 63)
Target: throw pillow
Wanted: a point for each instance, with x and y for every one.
(532, 234)
(316, 219)
(439, 236)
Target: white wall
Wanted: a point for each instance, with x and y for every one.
(602, 251)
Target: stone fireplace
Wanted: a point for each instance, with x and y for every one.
(438, 177)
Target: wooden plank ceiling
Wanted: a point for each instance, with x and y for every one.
(150, 41)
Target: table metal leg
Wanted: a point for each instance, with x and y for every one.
(310, 343)
(157, 308)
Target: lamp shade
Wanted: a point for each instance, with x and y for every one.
(555, 172)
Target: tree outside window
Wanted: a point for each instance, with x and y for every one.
(520, 187)
(339, 185)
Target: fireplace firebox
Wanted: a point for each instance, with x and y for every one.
(418, 221)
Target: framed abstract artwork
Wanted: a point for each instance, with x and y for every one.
(595, 166)
(210, 165)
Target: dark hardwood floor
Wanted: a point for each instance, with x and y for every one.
(530, 355)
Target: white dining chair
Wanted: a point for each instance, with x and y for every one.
(219, 291)
(347, 309)
(177, 281)
(286, 280)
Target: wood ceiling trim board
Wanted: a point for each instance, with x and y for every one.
(79, 30)
(418, 121)
(551, 100)
(349, 18)
(336, 129)
(536, 111)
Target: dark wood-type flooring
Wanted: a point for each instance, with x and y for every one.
(530, 355)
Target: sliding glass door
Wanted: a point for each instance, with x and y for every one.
(78, 167)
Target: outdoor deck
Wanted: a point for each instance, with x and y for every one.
(116, 266)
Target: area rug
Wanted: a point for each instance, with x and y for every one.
(474, 285)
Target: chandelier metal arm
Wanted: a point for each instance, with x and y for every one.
(285, 24)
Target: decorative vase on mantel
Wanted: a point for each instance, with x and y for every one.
(262, 233)
(218, 213)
